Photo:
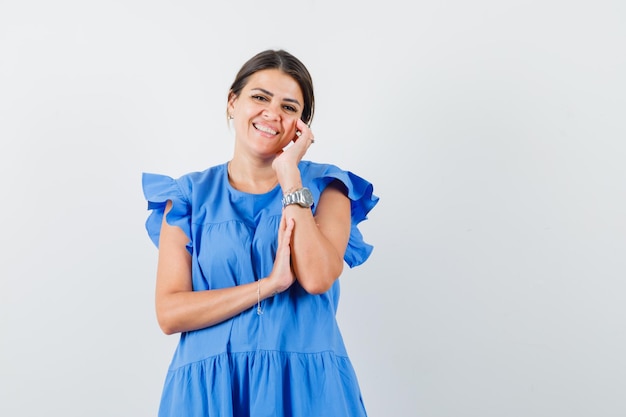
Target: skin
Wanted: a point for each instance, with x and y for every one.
(270, 141)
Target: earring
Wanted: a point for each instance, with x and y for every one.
(230, 117)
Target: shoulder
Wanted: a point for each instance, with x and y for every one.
(208, 174)
(322, 174)
(160, 187)
(360, 192)
(311, 170)
(195, 180)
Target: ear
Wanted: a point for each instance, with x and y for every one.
(232, 98)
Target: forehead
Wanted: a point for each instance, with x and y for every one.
(277, 82)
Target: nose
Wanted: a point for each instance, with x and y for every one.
(271, 111)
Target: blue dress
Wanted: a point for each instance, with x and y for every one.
(288, 361)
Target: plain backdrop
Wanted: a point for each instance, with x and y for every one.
(493, 131)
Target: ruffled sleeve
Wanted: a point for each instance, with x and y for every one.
(158, 189)
(362, 199)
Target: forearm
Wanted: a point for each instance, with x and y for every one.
(318, 243)
(192, 310)
(316, 262)
(180, 309)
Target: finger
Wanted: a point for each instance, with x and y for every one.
(291, 223)
(305, 131)
(282, 227)
(287, 232)
(301, 126)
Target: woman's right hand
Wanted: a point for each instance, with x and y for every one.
(282, 275)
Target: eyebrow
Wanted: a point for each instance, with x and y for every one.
(290, 100)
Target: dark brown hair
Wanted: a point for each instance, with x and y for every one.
(287, 63)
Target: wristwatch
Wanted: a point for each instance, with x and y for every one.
(301, 197)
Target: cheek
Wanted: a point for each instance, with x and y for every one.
(285, 142)
(290, 127)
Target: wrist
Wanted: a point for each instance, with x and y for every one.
(289, 178)
(266, 288)
(296, 186)
(301, 197)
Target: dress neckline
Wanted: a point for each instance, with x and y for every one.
(234, 190)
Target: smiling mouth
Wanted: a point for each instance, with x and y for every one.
(264, 129)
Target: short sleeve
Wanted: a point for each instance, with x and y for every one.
(362, 201)
(158, 189)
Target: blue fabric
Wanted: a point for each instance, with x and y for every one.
(289, 361)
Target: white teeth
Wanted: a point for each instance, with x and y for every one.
(265, 129)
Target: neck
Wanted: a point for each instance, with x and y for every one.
(251, 179)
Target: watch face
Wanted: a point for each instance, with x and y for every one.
(307, 197)
(303, 197)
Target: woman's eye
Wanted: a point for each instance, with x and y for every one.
(290, 108)
(259, 98)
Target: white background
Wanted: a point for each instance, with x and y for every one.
(493, 131)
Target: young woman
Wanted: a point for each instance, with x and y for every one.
(250, 252)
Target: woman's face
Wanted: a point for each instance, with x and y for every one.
(266, 111)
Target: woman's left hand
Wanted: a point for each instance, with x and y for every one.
(286, 161)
